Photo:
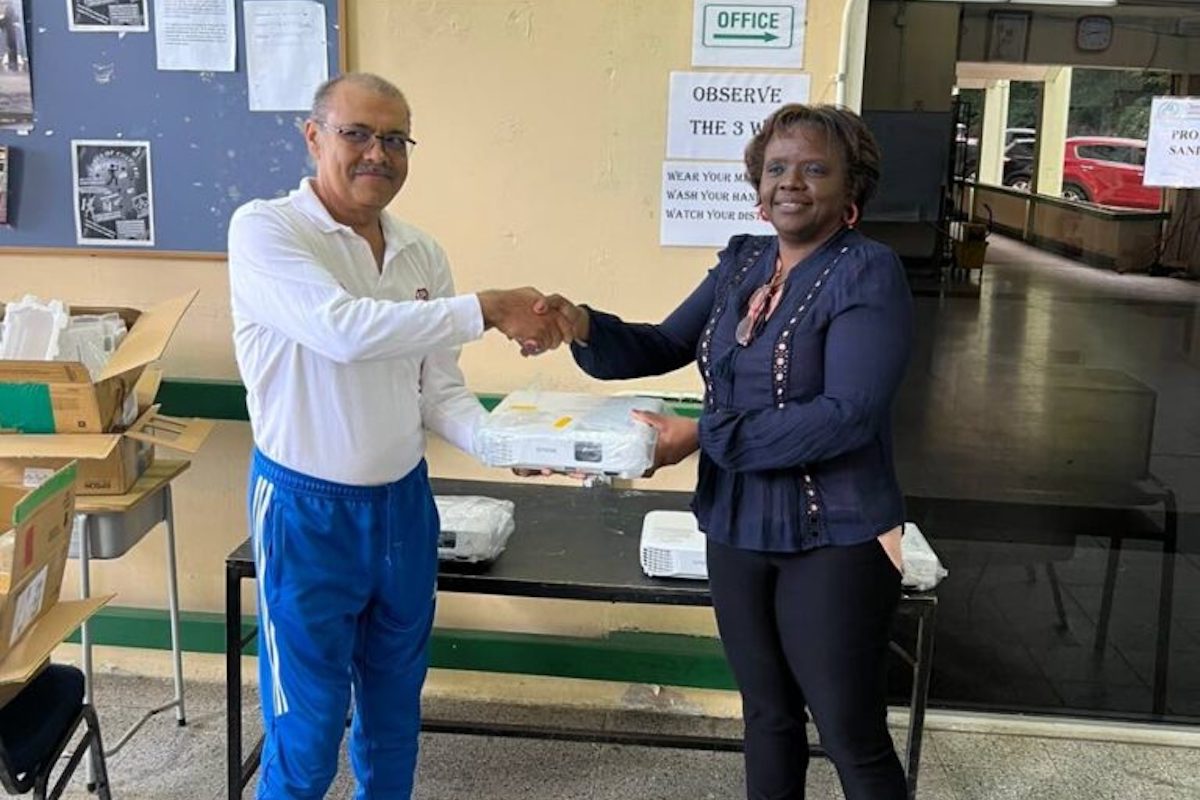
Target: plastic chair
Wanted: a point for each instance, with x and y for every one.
(37, 726)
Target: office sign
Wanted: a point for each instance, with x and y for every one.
(741, 33)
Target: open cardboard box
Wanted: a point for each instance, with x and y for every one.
(35, 533)
(60, 396)
(108, 463)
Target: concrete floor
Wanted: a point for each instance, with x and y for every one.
(166, 762)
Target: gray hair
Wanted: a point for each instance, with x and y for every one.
(364, 80)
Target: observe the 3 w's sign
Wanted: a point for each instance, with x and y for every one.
(706, 202)
(714, 114)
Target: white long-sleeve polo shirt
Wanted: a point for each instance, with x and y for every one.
(345, 366)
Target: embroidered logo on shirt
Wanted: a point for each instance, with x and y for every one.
(422, 294)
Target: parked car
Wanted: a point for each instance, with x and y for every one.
(1104, 170)
(967, 158)
(1018, 163)
(1012, 134)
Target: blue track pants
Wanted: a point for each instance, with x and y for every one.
(346, 579)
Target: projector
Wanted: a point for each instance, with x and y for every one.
(474, 529)
(568, 432)
(672, 546)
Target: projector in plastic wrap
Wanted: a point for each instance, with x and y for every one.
(569, 432)
(474, 529)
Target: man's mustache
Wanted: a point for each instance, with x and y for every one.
(383, 171)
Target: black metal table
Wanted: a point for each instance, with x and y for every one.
(570, 544)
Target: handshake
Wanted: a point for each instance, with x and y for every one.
(535, 321)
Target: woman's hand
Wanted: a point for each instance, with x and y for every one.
(678, 437)
(574, 321)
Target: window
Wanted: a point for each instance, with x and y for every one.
(1020, 149)
(1113, 153)
(1099, 152)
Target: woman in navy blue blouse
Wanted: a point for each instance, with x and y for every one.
(801, 340)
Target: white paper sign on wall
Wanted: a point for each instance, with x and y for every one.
(706, 202)
(714, 114)
(745, 33)
(1173, 145)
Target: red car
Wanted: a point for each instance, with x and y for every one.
(1096, 169)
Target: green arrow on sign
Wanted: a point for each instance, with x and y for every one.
(765, 36)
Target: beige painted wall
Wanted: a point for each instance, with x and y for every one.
(542, 132)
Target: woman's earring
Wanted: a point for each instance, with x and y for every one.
(851, 216)
(763, 214)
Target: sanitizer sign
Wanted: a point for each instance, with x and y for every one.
(1173, 147)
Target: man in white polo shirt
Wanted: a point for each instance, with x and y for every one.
(346, 330)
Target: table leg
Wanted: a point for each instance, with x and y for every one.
(85, 633)
(173, 600)
(920, 696)
(1166, 600)
(1106, 597)
(233, 682)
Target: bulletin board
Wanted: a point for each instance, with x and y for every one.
(209, 153)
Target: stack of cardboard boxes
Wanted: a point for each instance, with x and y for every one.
(60, 414)
(61, 436)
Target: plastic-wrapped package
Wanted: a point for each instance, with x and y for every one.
(923, 570)
(474, 529)
(569, 432)
(32, 329)
(91, 339)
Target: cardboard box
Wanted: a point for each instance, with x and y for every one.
(61, 397)
(108, 463)
(27, 658)
(35, 534)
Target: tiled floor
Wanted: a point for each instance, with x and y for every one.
(165, 762)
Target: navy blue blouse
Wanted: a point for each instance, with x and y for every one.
(795, 433)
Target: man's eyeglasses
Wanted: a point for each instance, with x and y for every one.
(360, 137)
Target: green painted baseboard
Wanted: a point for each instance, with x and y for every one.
(630, 657)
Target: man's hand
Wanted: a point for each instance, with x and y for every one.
(546, 472)
(511, 311)
(678, 437)
(575, 320)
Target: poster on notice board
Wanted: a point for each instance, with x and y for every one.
(114, 204)
(100, 16)
(3, 185)
(16, 93)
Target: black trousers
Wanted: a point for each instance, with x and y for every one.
(810, 629)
